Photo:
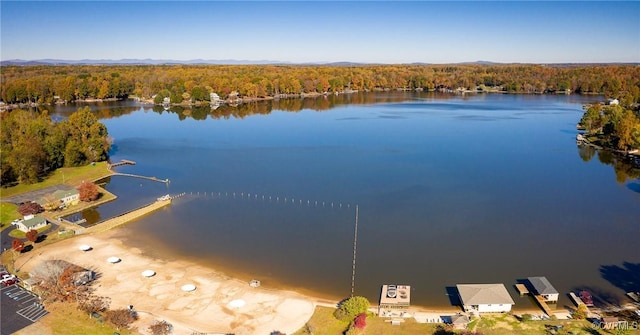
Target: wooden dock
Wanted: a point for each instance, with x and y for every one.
(576, 299)
(543, 304)
(121, 162)
(166, 181)
(522, 289)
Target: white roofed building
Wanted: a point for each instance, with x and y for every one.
(485, 298)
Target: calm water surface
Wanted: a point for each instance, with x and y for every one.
(450, 189)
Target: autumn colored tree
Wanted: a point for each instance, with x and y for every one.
(29, 208)
(88, 191)
(121, 318)
(17, 245)
(32, 235)
(581, 312)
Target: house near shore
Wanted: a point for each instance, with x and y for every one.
(394, 300)
(31, 222)
(69, 197)
(542, 287)
(485, 298)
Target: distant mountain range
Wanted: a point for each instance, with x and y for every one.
(148, 61)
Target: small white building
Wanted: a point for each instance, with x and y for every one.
(68, 197)
(485, 298)
(541, 286)
(31, 222)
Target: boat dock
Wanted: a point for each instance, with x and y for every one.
(166, 181)
(576, 299)
(121, 162)
(522, 289)
(543, 304)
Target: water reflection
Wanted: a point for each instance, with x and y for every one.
(443, 199)
(624, 167)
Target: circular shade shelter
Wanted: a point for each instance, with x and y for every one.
(188, 287)
(84, 247)
(237, 303)
(148, 273)
(113, 260)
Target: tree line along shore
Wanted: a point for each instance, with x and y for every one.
(193, 84)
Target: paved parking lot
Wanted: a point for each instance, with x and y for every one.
(20, 308)
(35, 195)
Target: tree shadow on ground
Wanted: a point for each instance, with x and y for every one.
(625, 277)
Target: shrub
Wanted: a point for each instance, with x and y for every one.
(350, 308)
(160, 327)
(526, 317)
(121, 318)
(360, 321)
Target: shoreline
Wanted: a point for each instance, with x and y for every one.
(206, 309)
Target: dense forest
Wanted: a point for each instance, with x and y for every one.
(32, 145)
(193, 83)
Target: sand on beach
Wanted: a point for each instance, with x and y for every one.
(207, 309)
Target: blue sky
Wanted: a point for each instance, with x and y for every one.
(327, 31)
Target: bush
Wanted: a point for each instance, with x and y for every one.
(526, 317)
(160, 327)
(121, 318)
(360, 321)
(350, 308)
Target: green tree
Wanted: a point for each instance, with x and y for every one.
(348, 309)
(88, 141)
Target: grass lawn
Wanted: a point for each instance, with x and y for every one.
(323, 323)
(65, 318)
(17, 233)
(72, 176)
(8, 213)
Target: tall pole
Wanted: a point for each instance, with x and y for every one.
(355, 244)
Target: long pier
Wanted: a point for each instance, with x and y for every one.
(126, 217)
(166, 181)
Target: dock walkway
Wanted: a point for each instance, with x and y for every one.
(543, 304)
(576, 299)
(126, 217)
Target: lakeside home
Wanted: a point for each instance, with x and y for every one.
(485, 298)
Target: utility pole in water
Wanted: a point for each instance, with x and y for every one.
(355, 244)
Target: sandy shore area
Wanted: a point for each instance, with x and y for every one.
(217, 305)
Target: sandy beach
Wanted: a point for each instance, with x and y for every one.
(218, 304)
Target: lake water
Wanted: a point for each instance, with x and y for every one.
(450, 189)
